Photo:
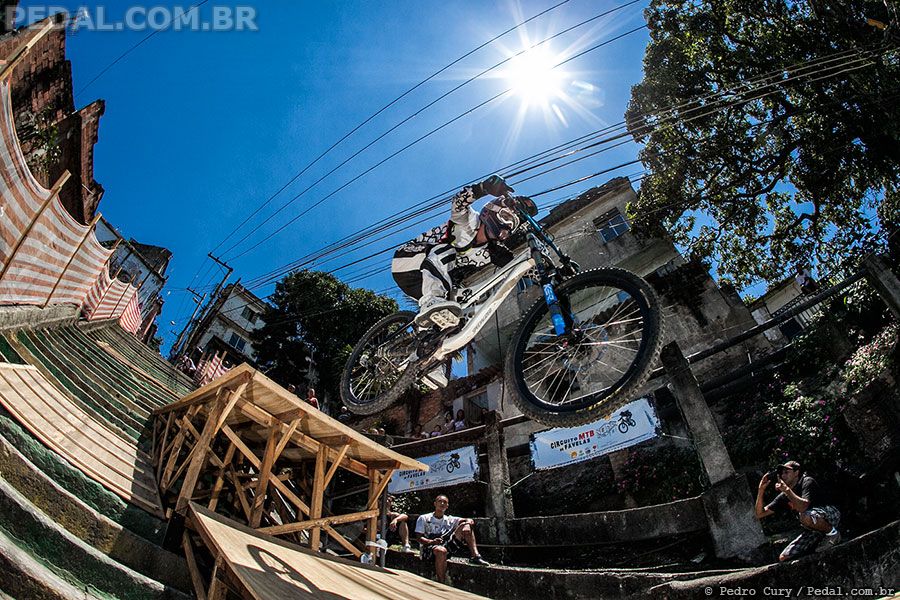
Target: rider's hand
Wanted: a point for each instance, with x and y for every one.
(493, 185)
(500, 254)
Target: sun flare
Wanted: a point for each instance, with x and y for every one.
(533, 78)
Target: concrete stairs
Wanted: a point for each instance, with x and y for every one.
(62, 535)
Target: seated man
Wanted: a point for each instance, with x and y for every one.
(422, 267)
(397, 526)
(442, 536)
(802, 494)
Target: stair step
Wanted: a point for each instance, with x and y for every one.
(71, 558)
(90, 526)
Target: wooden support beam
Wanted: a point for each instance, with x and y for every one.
(265, 471)
(335, 441)
(220, 480)
(334, 466)
(217, 590)
(342, 541)
(375, 495)
(287, 436)
(311, 523)
(383, 464)
(216, 418)
(175, 448)
(240, 496)
(196, 578)
(281, 487)
(372, 522)
(318, 495)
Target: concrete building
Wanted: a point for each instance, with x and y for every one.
(145, 266)
(226, 326)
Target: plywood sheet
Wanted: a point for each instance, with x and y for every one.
(270, 569)
(81, 439)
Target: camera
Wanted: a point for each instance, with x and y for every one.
(775, 473)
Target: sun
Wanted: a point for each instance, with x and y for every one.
(534, 78)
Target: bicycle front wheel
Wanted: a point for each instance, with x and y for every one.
(569, 380)
(382, 365)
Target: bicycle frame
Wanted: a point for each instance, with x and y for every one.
(478, 317)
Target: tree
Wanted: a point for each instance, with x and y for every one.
(314, 315)
(779, 164)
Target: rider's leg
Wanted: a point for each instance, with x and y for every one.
(436, 281)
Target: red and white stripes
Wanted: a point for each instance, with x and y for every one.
(46, 257)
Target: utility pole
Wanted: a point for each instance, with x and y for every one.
(212, 299)
(198, 299)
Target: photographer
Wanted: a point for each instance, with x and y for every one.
(801, 493)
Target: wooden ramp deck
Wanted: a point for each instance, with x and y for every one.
(61, 425)
(266, 568)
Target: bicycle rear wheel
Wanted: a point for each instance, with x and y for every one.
(582, 376)
(381, 366)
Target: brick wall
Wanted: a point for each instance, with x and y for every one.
(42, 90)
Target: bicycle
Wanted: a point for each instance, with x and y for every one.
(625, 421)
(577, 354)
(453, 463)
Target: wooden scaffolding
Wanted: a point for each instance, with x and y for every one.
(245, 447)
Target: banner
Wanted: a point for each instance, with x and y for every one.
(633, 423)
(448, 468)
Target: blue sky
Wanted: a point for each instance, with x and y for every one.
(202, 127)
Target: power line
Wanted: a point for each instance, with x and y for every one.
(797, 72)
(381, 110)
(396, 153)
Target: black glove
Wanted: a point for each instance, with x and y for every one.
(493, 185)
(500, 254)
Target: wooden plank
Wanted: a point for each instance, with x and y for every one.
(332, 520)
(335, 441)
(196, 578)
(334, 466)
(214, 421)
(342, 541)
(76, 435)
(240, 496)
(287, 436)
(291, 496)
(265, 471)
(375, 495)
(318, 495)
(372, 523)
(217, 590)
(220, 480)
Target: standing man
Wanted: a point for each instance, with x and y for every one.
(442, 536)
(802, 494)
(311, 398)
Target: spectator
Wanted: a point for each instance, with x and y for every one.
(381, 431)
(460, 423)
(442, 536)
(398, 526)
(186, 365)
(311, 398)
(344, 415)
(805, 280)
(802, 494)
(436, 431)
(447, 426)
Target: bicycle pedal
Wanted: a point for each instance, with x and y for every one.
(444, 319)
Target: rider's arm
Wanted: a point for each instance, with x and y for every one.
(459, 211)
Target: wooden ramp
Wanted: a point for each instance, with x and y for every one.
(266, 568)
(78, 437)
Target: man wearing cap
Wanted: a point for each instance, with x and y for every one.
(801, 493)
(422, 267)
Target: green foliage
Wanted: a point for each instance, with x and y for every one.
(315, 315)
(870, 360)
(776, 178)
(660, 475)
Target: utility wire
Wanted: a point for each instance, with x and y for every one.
(401, 150)
(381, 110)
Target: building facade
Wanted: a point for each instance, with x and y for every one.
(225, 327)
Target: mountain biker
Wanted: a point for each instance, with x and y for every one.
(423, 267)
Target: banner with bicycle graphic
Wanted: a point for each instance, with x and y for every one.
(448, 468)
(633, 423)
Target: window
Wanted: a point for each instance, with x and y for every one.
(611, 225)
(237, 342)
(249, 315)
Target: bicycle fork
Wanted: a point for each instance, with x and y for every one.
(562, 318)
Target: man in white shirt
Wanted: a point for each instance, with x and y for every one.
(443, 536)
